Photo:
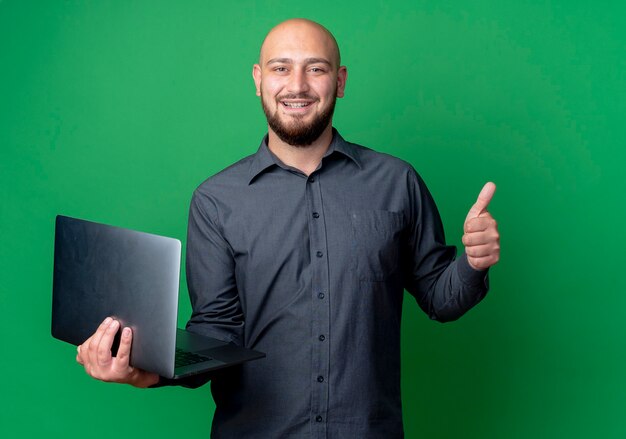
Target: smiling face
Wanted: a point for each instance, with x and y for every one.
(299, 78)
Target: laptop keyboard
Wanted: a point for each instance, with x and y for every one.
(184, 358)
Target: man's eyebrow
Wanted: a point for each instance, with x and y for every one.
(280, 61)
(306, 61)
(317, 61)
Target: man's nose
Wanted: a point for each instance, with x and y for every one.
(298, 82)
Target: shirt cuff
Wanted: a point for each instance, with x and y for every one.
(469, 275)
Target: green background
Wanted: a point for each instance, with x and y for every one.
(116, 111)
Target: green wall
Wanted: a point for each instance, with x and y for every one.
(116, 111)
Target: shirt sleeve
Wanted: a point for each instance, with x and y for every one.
(216, 310)
(444, 286)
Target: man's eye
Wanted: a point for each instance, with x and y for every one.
(316, 70)
(280, 69)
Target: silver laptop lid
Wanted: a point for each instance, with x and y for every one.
(101, 271)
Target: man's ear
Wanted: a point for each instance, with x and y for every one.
(256, 74)
(342, 76)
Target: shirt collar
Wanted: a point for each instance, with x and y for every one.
(263, 159)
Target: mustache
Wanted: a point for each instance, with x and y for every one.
(297, 96)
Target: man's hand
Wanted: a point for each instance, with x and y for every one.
(481, 238)
(95, 356)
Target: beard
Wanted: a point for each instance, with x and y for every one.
(296, 132)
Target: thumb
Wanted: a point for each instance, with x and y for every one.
(481, 204)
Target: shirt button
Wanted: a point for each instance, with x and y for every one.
(320, 379)
(312, 180)
(320, 295)
(318, 418)
(316, 215)
(322, 338)
(319, 254)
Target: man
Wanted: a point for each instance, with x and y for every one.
(303, 251)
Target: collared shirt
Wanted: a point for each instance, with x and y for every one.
(311, 270)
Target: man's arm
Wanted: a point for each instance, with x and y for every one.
(211, 276)
(445, 287)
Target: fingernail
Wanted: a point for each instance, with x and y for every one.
(126, 332)
(107, 320)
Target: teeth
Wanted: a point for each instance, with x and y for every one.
(295, 104)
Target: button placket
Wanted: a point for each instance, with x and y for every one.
(320, 307)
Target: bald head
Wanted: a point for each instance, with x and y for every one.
(298, 34)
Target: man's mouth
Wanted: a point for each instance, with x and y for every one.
(291, 104)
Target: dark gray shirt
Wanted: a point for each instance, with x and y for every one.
(311, 271)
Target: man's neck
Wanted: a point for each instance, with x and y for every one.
(303, 158)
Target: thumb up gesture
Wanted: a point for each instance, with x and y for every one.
(481, 237)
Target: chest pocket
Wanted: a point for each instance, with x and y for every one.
(377, 239)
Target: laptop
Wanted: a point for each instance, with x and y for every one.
(102, 270)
